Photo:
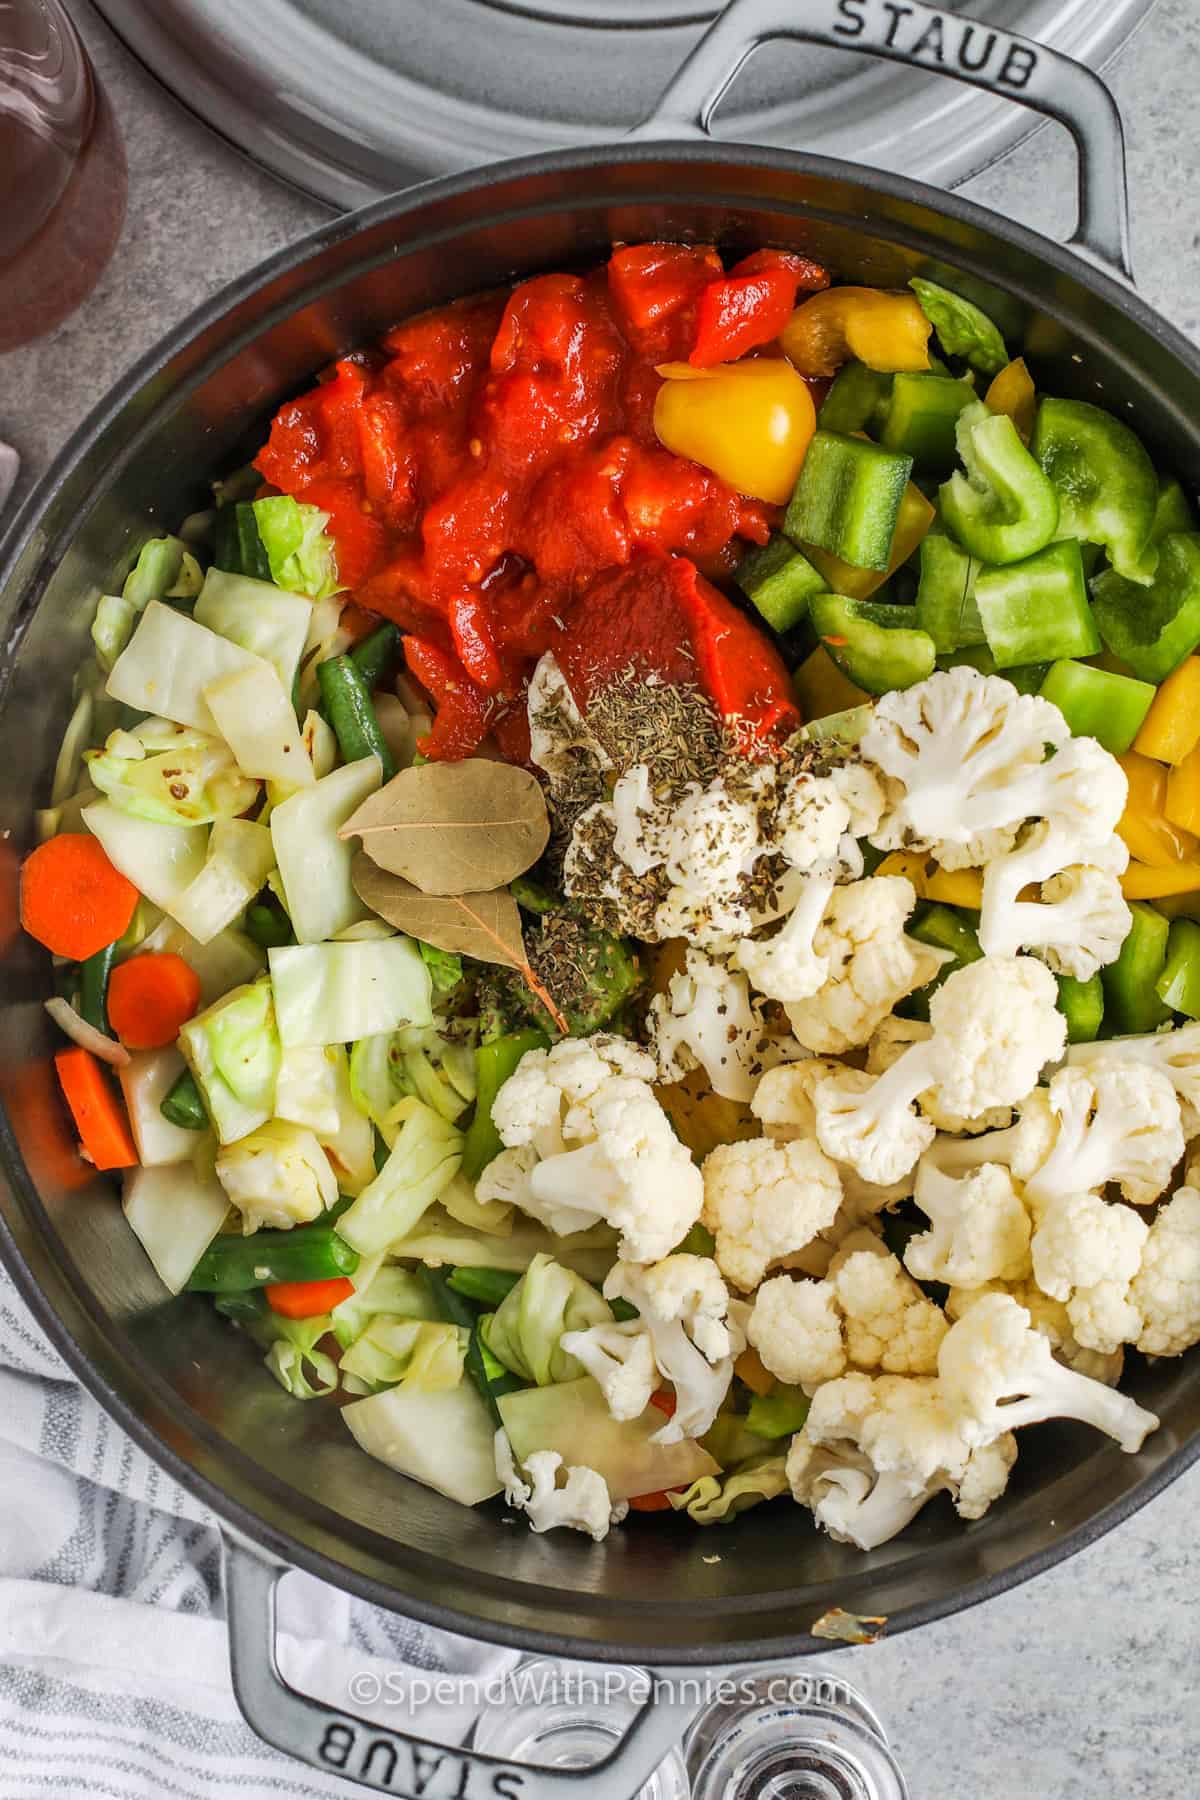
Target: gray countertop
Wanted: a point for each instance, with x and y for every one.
(1081, 1683)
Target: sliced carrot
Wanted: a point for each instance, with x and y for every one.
(650, 1502)
(664, 1399)
(72, 899)
(307, 1299)
(98, 1114)
(150, 997)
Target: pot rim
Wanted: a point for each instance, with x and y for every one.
(17, 539)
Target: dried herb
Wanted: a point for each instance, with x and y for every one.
(675, 730)
(454, 828)
(485, 926)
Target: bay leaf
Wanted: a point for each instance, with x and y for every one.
(486, 926)
(454, 828)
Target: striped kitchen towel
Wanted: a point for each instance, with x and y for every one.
(114, 1679)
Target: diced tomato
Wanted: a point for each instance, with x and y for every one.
(673, 504)
(359, 533)
(739, 668)
(575, 522)
(655, 288)
(664, 1399)
(471, 629)
(810, 276)
(464, 710)
(751, 305)
(436, 356)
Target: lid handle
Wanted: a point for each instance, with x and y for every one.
(403, 1763)
(940, 43)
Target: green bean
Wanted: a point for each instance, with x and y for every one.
(183, 1106)
(490, 1376)
(268, 926)
(487, 1286)
(374, 656)
(232, 1264)
(93, 988)
(346, 700)
(494, 1063)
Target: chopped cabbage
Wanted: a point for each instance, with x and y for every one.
(481, 1215)
(306, 1088)
(442, 1439)
(524, 1332)
(423, 1161)
(162, 861)
(170, 773)
(272, 626)
(168, 663)
(146, 1080)
(421, 1353)
(390, 1291)
(258, 722)
(233, 1051)
(301, 556)
(226, 961)
(164, 566)
(440, 1240)
(572, 1418)
(240, 857)
(292, 1355)
(175, 1213)
(314, 863)
(718, 1499)
(75, 740)
(350, 1145)
(337, 993)
(414, 1060)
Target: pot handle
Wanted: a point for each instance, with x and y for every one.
(940, 43)
(398, 1762)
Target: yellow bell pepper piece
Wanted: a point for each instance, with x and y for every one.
(913, 520)
(1178, 906)
(912, 864)
(1182, 805)
(1012, 392)
(1141, 882)
(821, 688)
(1171, 729)
(888, 332)
(1149, 835)
(749, 422)
(955, 887)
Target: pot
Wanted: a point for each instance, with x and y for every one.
(287, 1482)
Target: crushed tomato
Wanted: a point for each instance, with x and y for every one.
(495, 486)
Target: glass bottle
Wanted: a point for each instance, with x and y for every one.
(62, 171)
(768, 1733)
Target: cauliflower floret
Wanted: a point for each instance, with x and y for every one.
(764, 1201)
(811, 819)
(796, 1327)
(867, 1122)
(1117, 1121)
(998, 1373)
(1051, 1318)
(871, 964)
(980, 1229)
(874, 1450)
(506, 1179)
(787, 966)
(1166, 1289)
(996, 1024)
(863, 794)
(1175, 1054)
(604, 1145)
(277, 1176)
(891, 1040)
(958, 744)
(561, 743)
(1082, 1239)
(620, 1359)
(890, 1324)
(1079, 927)
(683, 1306)
(706, 1020)
(582, 1503)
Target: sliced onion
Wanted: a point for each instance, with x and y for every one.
(85, 1035)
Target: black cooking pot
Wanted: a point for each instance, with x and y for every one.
(287, 1481)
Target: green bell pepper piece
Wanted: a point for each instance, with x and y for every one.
(943, 928)
(1179, 984)
(1027, 678)
(780, 581)
(1131, 999)
(1037, 610)
(779, 1413)
(848, 498)
(963, 328)
(1004, 508)
(1081, 1004)
(845, 728)
(1099, 703)
(1152, 629)
(697, 1241)
(873, 643)
(1106, 485)
(945, 601)
(921, 416)
(854, 401)
(494, 1063)
(1173, 511)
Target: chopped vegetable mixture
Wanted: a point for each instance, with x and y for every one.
(628, 898)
